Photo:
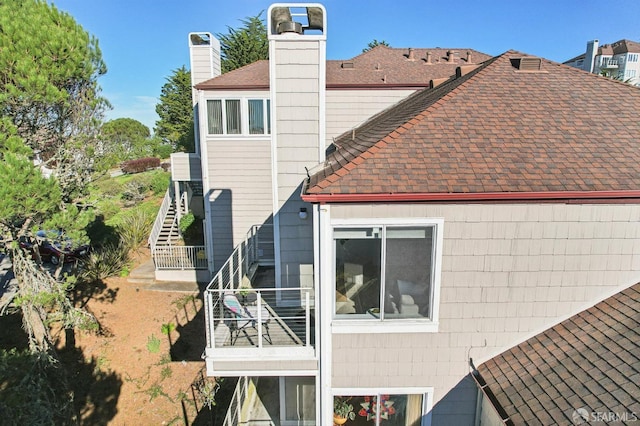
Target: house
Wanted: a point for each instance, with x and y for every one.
(373, 236)
(617, 60)
(239, 102)
(585, 369)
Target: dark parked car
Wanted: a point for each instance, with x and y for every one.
(52, 246)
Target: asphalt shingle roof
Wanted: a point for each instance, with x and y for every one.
(590, 361)
(381, 66)
(496, 129)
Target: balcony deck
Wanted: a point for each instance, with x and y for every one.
(275, 332)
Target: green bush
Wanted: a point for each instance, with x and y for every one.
(186, 221)
(105, 262)
(159, 182)
(134, 228)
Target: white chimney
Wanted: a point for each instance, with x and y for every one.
(590, 55)
(297, 81)
(204, 55)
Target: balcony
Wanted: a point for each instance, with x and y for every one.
(609, 64)
(252, 327)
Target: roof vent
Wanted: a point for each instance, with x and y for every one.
(411, 56)
(428, 58)
(436, 82)
(527, 64)
(464, 70)
(348, 65)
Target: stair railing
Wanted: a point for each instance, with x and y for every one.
(162, 213)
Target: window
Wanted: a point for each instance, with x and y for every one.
(393, 409)
(631, 73)
(238, 116)
(633, 57)
(385, 272)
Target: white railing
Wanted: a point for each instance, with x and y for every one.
(260, 245)
(258, 322)
(162, 213)
(240, 394)
(179, 257)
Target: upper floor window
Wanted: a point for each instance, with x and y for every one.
(238, 116)
(632, 57)
(385, 272)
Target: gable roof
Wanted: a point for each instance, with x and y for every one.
(498, 131)
(590, 361)
(381, 66)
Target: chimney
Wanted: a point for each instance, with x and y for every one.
(204, 55)
(204, 58)
(449, 55)
(590, 55)
(468, 57)
(297, 81)
(410, 55)
(429, 57)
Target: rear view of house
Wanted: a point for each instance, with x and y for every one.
(377, 228)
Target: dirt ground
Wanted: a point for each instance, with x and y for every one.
(135, 373)
(139, 370)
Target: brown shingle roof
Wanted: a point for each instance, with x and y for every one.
(495, 130)
(381, 66)
(590, 361)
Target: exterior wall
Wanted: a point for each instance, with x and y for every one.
(508, 273)
(185, 167)
(349, 108)
(297, 92)
(239, 185)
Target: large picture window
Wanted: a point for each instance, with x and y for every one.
(238, 117)
(385, 272)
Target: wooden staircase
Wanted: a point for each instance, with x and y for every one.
(169, 234)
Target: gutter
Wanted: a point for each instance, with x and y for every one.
(630, 196)
(484, 388)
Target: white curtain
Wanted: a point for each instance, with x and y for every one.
(214, 117)
(233, 117)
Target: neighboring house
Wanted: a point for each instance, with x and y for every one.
(619, 60)
(408, 225)
(582, 371)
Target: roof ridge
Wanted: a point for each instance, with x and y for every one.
(408, 121)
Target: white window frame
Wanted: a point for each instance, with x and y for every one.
(244, 117)
(341, 325)
(426, 392)
(633, 57)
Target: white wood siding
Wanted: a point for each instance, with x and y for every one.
(185, 167)
(240, 183)
(297, 82)
(508, 273)
(348, 108)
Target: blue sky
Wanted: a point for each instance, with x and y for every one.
(143, 41)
